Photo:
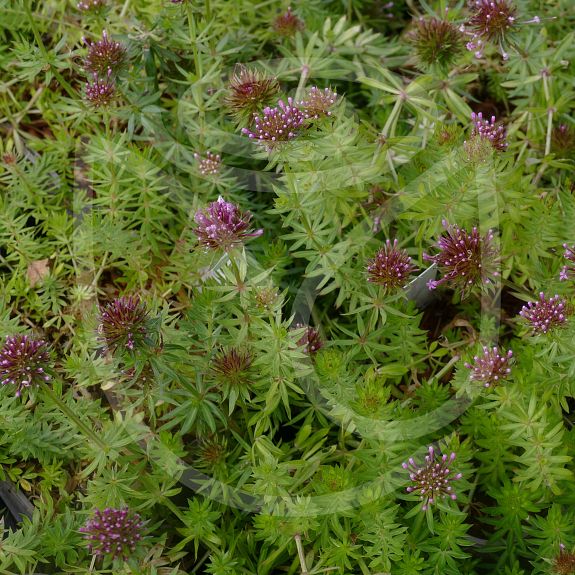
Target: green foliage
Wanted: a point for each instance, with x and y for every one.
(291, 462)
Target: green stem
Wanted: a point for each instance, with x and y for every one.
(549, 131)
(300, 554)
(193, 40)
(65, 409)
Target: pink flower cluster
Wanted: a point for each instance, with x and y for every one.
(223, 226)
(491, 367)
(545, 314)
(286, 120)
(23, 362)
(432, 480)
(113, 532)
(210, 165)
(390, 267)
(466, 259)
(489, 130)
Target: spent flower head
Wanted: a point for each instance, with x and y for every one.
(436, 42)
(209, 165)
(466, 259)
(232, 366)
(311, 340)
(490, 367)
(104, 55)
(318, 103)
(287, 24)
(222, 225)
(545, 314)
(113, 532)
(101, 92)
(248, 91)
(24, 362)
(564, 563)
(390, 267)
(124, 323)
(432, 480)
(278, 124)
(568, 270)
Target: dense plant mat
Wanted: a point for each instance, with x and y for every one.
(287, 288)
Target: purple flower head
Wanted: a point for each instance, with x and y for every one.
(248, 91)
(223, 226)
(101, 92)
(24, 362)
(113, 532)
(123, 323)
(545, 314)
(104, 55)
(90, 5)
(433, 479)
(492, 21)
(568, 270)
(318, 103)
(465, 259)
(288, 24)
(489, 131)
(491, 367)
(390, 267)
(310, 340)
(436, 42)
(210, 165)
(277, 124)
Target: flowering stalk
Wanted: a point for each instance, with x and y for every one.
(432, 480)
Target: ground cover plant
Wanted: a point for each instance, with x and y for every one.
(287, 287)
